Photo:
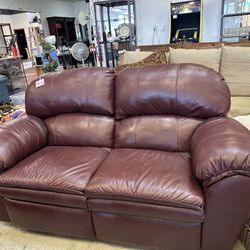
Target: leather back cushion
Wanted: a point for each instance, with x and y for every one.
(167, 133)
(80, 130)
(83, 90)
(178, 89)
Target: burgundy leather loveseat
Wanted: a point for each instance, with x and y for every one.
(146, 158)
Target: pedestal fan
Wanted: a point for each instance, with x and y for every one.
(80, 52)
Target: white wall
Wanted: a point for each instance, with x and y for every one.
(80, 5)
(5, 19)
(157, 12)
(22, 21)
(46, 7)
(211, 20)
(149, 14)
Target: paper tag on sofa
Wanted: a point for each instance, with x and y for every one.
(40, 83)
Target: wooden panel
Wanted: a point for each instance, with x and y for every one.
(154, 48)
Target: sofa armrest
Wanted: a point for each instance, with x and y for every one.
(220, 148)
(20, 138)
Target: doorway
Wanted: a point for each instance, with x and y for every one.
(21, 43)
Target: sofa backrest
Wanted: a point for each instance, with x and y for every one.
(208, 57)
(160, 106)
(232, 60)
(235, 67)
(77, 107)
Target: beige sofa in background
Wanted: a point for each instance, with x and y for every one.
(233, 62)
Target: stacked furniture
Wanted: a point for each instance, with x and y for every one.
(146, 158)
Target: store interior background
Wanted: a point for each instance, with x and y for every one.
(152, 27)
(148, 15)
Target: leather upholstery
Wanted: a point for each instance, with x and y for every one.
(220, 149)
(181, 89)
(129, 153)
(146, 210)
(19, 139)
(148, 176)
(44, 197)
(80, 130)
(51, 219)
(145, 233)
(64, 170)
(87, 91)
(227, 212)
(3, 212)
(167, 133)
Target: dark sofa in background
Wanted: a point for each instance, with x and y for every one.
(146, 158)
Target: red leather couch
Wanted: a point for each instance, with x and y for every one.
(146, 158)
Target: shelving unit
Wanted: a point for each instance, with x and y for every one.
(13, 69)
(5, 37)
(235, 20)
(106, 25)
(34, 40)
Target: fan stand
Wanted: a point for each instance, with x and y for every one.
(83, 64)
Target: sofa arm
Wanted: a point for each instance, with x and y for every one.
(220, 148)
(20, 138)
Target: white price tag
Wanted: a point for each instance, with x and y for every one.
(40, 83)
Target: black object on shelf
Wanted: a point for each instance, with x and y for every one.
(39, 60)
(107, 37)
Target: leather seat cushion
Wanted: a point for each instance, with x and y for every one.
(147, 176)
(53, 175)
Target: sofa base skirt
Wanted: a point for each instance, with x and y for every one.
(147, 232)
(3, 212)
(51, 219)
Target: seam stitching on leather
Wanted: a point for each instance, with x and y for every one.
(176, 87)
(136, 121)
(158, 218)
(177, 134)
(216, 178)
(90, 178)
(36, 188)
(89, 140)
(54, 131)
(176, 83)
(148, 198)
(86, 86)
(137, 83)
